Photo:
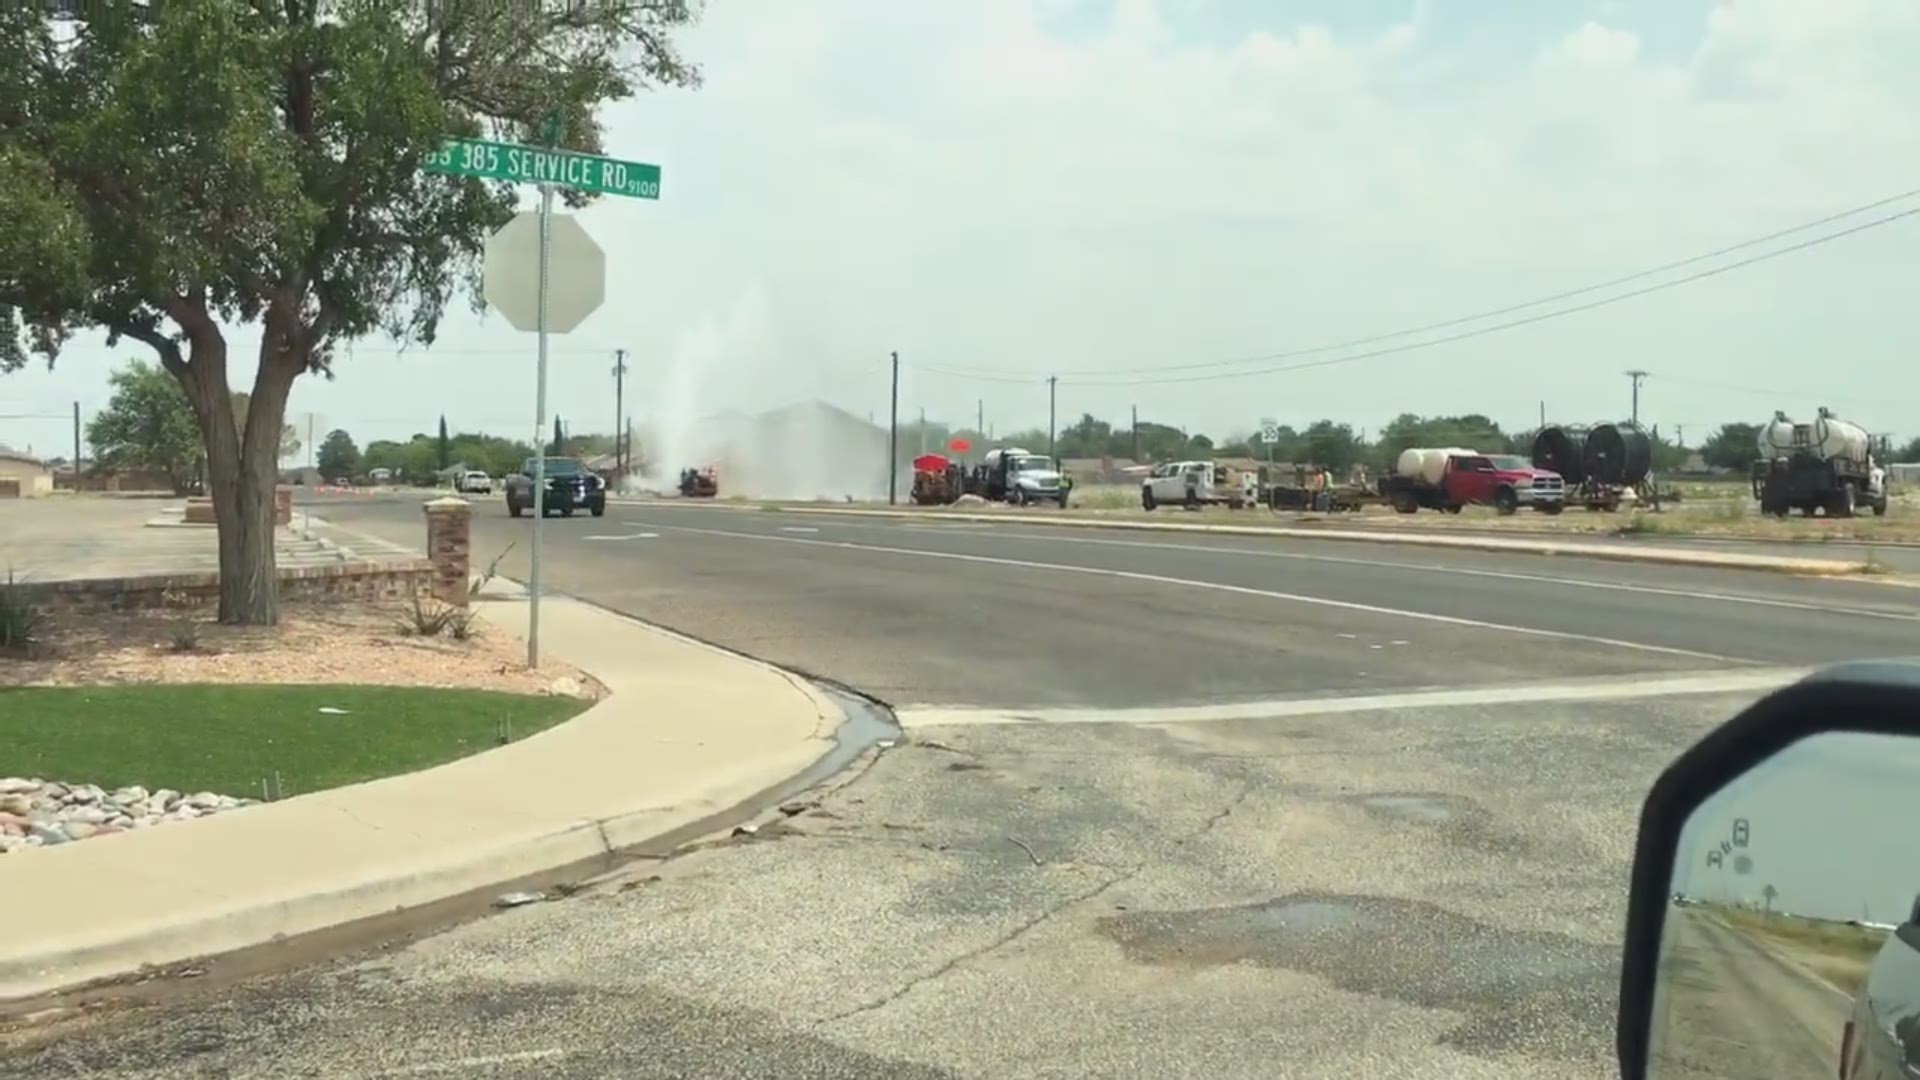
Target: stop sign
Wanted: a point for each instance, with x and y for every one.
(959, 445)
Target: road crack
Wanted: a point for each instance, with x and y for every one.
(973, 954)
(1115, 876)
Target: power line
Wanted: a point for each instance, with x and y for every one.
(1763, 391)
(1514, 323)
(1511, 308)
(234, 347)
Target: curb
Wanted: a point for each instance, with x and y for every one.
(377, 891)
(1666, 556)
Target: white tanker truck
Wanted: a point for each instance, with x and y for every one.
(1828, 464)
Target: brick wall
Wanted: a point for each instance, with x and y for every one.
(397, 581)
(449, 525)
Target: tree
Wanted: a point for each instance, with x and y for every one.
(289, 435)
(337, 457)
(147, 425)
(559, 439)
(203, 163)
(1472, 431)
(443, 447)
(1333, 445)
(1911, 452)
(1732, 447)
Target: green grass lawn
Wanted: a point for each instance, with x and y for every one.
(225, 739)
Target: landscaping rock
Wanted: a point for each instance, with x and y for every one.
(50, 833)
(44, 813)
(567, 686)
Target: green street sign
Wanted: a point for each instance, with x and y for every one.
(532, 165)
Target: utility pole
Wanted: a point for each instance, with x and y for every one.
(1136, 434)
(1053, 383)
(76, 446)
(1636, 375)
(923, 431)
(893, 439)
(309, 440)
(980, 417)
(1543, 414)
(619, 411)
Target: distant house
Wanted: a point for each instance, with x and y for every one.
(23, 476)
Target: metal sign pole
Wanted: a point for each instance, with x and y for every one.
(539, 434)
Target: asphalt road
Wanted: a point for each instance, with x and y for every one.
(1735, 1009)
(937, 614)
(1168, 806)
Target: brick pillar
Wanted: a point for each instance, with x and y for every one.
(283, 506)
(449, 528)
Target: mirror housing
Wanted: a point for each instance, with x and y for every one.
(1875, 697)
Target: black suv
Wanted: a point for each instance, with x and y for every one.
(570, 486)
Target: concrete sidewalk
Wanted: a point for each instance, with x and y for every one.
(688, 730)
(83, 537)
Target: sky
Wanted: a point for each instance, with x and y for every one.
(1123, 192)
(1829, 826)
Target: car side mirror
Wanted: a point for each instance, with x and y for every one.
(1770, 928)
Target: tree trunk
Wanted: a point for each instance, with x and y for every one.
(242, 468)
(249, 581)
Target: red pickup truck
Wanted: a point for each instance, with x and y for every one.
(1505, 482)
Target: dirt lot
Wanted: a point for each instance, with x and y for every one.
(314, 643)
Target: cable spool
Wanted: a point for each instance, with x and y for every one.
(1618, 455)
(1557, 449)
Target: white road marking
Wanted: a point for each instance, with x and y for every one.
(1507, 575)
(798, 529)
(1215, 586)
(429, 1068)
(380, 543)
(628, 536)
(1623, 688)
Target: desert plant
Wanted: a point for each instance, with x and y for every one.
(461, 625)
(487, 575)
(186, 636)
(21, 619)
(428, 617)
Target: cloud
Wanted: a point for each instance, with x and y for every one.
(974, 184)
(1058, 185)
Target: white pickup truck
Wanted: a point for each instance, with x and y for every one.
(1199, 483)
